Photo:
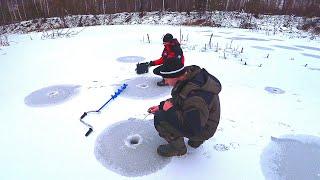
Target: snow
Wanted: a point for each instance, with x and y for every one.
(48, 142)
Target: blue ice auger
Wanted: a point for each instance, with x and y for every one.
(97, 111)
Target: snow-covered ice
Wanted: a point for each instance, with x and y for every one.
(48, 142)
(131, 59)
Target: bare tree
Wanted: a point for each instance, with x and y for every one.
(17, 10)
(227, 4)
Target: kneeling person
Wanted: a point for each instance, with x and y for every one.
(192, 112)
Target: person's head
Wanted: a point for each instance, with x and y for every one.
(167, 38)
(173, 71)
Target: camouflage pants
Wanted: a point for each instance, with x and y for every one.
(170, 128)
(167, 126)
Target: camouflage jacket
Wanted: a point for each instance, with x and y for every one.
(196, 103)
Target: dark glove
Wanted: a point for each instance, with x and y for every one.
(151, 63)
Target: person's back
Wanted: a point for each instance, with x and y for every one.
(201, 90)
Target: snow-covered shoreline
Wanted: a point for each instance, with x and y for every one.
(271, 24)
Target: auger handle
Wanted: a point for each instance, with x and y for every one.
(89, 132)
(83, 115)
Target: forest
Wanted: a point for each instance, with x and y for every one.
(12, 11)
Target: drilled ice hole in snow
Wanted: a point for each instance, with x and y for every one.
(143, 86)
(274, 90)
(133, 141)
(291, 157)
(129, 148)
(51, 95)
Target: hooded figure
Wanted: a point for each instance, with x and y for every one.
(192, 112)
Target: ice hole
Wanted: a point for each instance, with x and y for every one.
(291, 157)
(137, 87)
(133, 141)
(129, 148)
(51, 95)
(144, 86)
(274, 90)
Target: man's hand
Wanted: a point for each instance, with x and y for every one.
(151, 63)
(167, 105)
(153, 109)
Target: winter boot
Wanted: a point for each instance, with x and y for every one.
(174, 148)
(162, 83)
(195, 144)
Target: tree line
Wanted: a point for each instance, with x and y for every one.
(18, 10)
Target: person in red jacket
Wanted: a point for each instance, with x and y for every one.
(171, 52)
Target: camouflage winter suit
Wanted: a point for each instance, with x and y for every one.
(196, 108)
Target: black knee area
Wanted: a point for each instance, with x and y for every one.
(158, 117)
(157, 70)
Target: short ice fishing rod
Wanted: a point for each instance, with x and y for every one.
(97, 111)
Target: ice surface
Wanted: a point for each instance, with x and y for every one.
(308, 47)
(131, 59)
(262, 48)
(51, 95)
(248, 38)
(57, 149)
(129, 148)
(221, 147)
(145, 87)
(287, 47)
(315, 69)
(311, 55)
(292, 157)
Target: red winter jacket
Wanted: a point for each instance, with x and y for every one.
(171, 50)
